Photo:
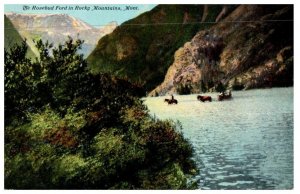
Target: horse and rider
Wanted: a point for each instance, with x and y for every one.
(172, 100)
(224, 95)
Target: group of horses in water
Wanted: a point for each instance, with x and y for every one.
(221, 97)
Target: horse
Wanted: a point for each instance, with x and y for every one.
(171, 101)
(224, 96)
(204, 98)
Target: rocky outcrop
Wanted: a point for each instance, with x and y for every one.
(251, 47)
(274, 72)
(142, 49)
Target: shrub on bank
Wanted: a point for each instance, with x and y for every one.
(75, 130)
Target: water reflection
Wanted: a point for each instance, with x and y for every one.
(244, 143)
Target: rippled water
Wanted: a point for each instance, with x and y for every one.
(243, 143)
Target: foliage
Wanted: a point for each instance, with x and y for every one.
(19, 82)
(183, 89)
(84, 131)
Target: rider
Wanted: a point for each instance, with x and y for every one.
(172, 97)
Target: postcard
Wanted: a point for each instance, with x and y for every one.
(149, 96)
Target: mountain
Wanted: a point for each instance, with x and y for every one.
(56, 27)
(142, 48)
(12, 37)
(252, 47)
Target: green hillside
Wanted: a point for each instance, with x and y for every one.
(12, 37)
(143, 48)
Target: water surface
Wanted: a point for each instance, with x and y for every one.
(243, 143)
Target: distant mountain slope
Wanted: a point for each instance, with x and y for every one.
(12, 37)
(251, 48)
(142, 48)
(56, 27)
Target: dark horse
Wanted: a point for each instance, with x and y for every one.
(224, 96)
(204, 98)
(171, 101)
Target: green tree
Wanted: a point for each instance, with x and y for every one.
(21, 77)
(84, 131)
(63, 71)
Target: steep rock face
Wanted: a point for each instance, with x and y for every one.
(252, 47)
(142, 49)
(56, 27)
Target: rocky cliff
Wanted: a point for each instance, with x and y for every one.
(142, 49)
(56, 27)
(250, 47)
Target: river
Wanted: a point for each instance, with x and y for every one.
(242, 143)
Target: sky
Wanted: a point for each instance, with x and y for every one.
(85, 12)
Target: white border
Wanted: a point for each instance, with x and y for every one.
(296, 82)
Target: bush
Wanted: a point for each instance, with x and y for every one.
(183, 89)
(93, 134)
